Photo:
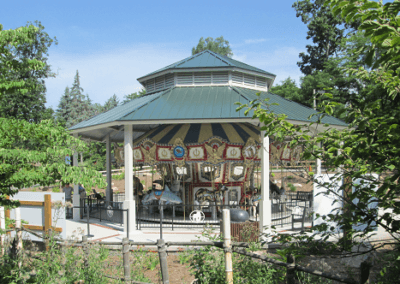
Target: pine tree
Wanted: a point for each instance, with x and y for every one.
(111, 103)
(64, 108)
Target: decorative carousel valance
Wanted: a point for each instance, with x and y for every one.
(211, 143)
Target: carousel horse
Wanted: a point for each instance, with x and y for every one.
(138, 188)
(164, 197)
(252, 197)
(203, 196)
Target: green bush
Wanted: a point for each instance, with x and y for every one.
(208, 265)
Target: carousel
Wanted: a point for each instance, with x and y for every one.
(204, 168)
(186, 127)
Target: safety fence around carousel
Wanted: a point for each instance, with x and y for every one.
(283, 212)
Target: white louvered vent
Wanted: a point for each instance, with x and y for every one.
(220, 78)
(150, 86)
(202, 78)
(169, 80)
(160, 81)
(261, 82)
(249, 80)
(184, 79)
(237, 77)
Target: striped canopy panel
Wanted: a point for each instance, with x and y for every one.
(212, 143)
(198, 133)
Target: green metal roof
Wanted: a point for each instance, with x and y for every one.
(116, 113)
(217, 103)
(208, 59)
(202, 103)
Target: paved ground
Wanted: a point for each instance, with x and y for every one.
(108, 232)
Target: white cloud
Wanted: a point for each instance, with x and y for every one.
(251, 41)
(103, 74)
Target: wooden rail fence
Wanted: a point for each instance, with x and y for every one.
(226, 245)
(47, 215)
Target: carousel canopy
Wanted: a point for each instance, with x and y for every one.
(189, 105)
(198, 133)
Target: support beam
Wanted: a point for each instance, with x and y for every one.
(109, 192)
(76, 197)
(129, 202)
(265, 204)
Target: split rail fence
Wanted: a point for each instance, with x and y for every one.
(228, 247)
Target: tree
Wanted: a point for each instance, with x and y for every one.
(288, 89)
(325, 30)
(64, 108)
(219, 45)
(20, 166)
(369, 147)
(28, 105)
(135, 95)
(111, 103)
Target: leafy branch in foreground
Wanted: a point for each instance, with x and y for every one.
(21, 167)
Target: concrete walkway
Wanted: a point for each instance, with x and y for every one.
(110, 232)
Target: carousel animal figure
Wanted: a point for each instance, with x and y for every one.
(164, 197)
(250, 200)
(203, 196)
(137, 188)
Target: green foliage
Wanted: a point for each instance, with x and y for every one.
(22, 167)
(324, 28)
(57, 265)
(120, 176)
(219, 45)
(128, 98)
(208, 265)
(370, 144)
(288, 89)
(143, 261)
(23, 68)
(110, 103)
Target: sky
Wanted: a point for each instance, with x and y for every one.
(112, 43)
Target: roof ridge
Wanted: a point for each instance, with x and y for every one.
(217, 55)
(187, 59)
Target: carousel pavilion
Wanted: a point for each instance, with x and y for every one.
(187, 125)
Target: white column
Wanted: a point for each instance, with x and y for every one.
(265, 203)
(76, 197)
(109, 192)
(129, 202)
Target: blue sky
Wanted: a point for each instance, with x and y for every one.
(112, 43)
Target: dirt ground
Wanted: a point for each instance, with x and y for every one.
(179, 269)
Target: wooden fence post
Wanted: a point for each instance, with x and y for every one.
(47, 213)
(85, 251)
(162, 253)
(364, 272)
(226, 221)
(290, 270)
(7, 214)
(2, 227)
(125, 258)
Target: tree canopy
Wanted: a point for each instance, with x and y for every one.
(369, 147)
(30, 152)
(219, 45)
(17, 61)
